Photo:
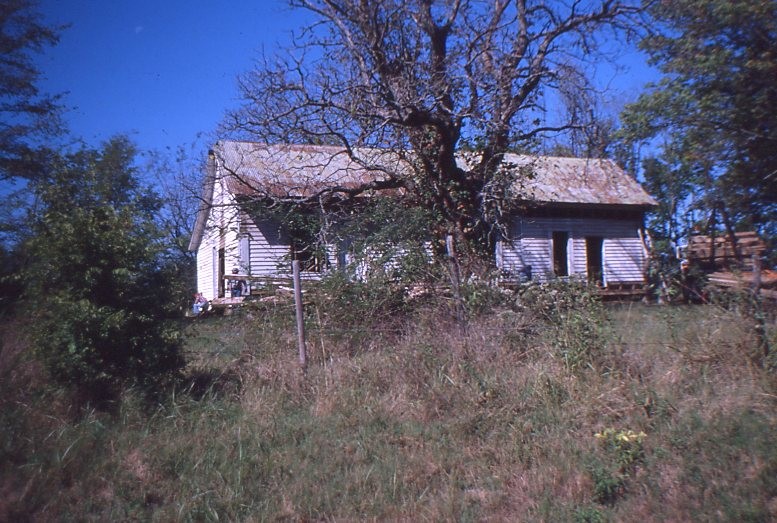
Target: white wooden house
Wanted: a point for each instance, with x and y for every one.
(585, 219)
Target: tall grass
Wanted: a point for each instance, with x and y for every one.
(403, 417)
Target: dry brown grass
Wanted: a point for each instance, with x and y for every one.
(419, 422)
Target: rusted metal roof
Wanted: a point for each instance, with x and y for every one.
(303, 170)
(576, 181)
(300, 171)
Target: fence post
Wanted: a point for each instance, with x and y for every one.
(758, 311)
(455, 275)
(303, 355)
(756, 274)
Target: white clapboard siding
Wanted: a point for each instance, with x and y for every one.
(206, 267)
(220, 232)
(530, 244)
(269, 252)
(386, 259)
(578, 255)
(624, 261)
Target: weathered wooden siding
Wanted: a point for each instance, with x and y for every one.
(269, 251)
(624, 260)
(260, 250)
(206, 265)
(268, 254)
(531, 245)
(220, 233)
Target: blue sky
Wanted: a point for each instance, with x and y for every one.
(161, 71)
(164, 71)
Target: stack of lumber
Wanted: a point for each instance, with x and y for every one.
(221, 303)
(720, 251)
(746, 280)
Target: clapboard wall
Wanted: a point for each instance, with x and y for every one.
(531, 244)
(265, 251)
(220, 234)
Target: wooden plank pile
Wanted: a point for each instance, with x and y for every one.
(720, 252)
(225, 303)
(746, 280)
(733, 265)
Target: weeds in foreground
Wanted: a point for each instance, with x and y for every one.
(624, 450)
(424, 424)
(574, 321)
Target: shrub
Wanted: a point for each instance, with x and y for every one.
(345, 304)
(98, 284)
(482, 297)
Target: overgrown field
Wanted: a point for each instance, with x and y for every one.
(545, 406)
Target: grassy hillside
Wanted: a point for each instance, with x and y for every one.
(545, 407)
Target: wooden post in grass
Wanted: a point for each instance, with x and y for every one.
(455, 275)
(758, 313)
(756, 274)
(303, 355)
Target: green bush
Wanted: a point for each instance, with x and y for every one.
(98, 284)
(623, 450)
(481, 297)
(345, 303)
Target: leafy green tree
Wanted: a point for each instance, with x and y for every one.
(26, 115)
(715, 110)
(28, 118)
(98, 283)
(672, 190)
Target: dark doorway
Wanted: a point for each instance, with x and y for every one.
(560, 259)
(221, 273)
(594, 259)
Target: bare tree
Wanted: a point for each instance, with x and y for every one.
(178, 175)
(435, 78)
(592, 130)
